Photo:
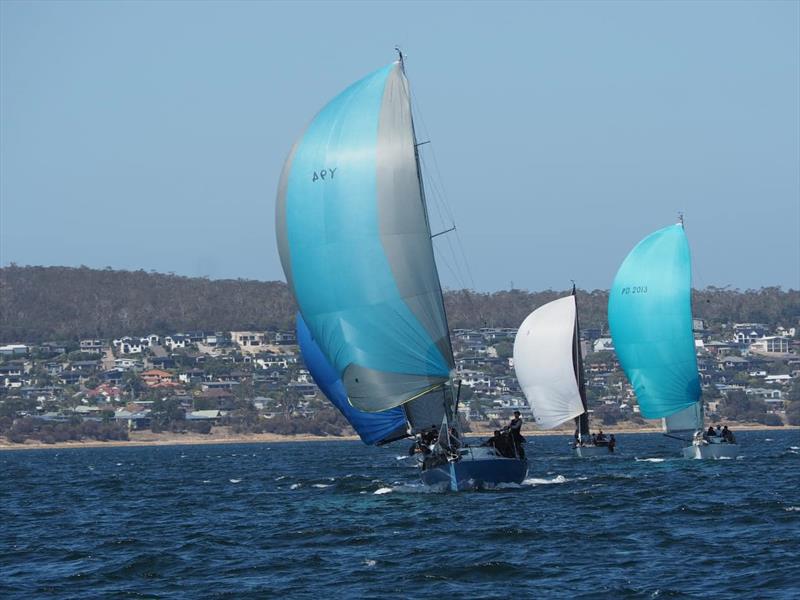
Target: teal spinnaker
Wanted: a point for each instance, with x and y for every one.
(355, 245)
(650, 316)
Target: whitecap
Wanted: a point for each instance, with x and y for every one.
(767, 439)
(119, 464)
(383, 490)
(369, 562)
(535, 481)
(794, 447)
(206, 481)
(725, 458)
(235, 480)
(792, 509)
(321, 485)
(655, 460)
(279, 477)
(294, 486)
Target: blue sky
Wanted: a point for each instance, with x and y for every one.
(151, 135)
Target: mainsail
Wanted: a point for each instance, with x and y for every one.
(650, 316)
(373, 428)
(545, 362)
(355, 245)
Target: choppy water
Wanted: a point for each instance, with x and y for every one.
(314, 519)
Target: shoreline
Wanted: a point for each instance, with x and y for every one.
(141, 439)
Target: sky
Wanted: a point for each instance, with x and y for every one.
(151, 135)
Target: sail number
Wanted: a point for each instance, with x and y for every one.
(636, 289)
(323, 174)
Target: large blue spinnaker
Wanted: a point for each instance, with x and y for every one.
(355, 246)
(372, 427)
(650, 316)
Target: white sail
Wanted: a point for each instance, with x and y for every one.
(544, 362)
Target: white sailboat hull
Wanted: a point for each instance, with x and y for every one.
(589, 450)
(714, 450)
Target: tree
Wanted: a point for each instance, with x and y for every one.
(504, 349)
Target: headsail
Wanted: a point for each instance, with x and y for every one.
(355, 246)
(650, 316)
(373, 428)
(544, 362)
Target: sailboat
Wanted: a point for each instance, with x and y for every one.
(650, 316)
(356, 248)
(549, 367)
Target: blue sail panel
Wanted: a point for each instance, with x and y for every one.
(650, 316)
(356, 249)
(371, 427)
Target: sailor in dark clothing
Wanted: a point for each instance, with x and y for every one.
(727, 435)
(711, 432)
(612, 443)
(515, 429)
(601, 437)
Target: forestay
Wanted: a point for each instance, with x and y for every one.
(355, 246)
(373, 428)
(544, 355)
(650, 316)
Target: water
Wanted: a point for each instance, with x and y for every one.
(305, 520)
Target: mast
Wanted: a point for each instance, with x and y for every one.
(452, 399)
(582, 420)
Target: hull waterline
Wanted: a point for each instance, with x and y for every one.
(711, 451)
(477, 468)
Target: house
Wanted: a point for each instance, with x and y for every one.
(84, 366)
(92, 346)
(223, 398)
(733, 362)
(128, 364)
(13, 350)
(770, 345)
(721, 348)
(157, 378)
(128, 345)
(250, 341)
(114, 376)
(603, 344)
(213, 415)
(133, 420)
(285, 338)
(747, 333)
(174, 342)
(191, 376)
(162, 362)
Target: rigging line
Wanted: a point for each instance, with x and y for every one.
(439, 183)
(458, 271)
(459, 257)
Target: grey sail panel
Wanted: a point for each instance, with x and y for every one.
(404, 230)
(374, 391)
(426, 410)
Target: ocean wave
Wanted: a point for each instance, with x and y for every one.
(383, 490)
(792, 509)
(654, 460)
(235, 480)
(322, 485)
(539, 481)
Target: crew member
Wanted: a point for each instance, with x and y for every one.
(515, 428)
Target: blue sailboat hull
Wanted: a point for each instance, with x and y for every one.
(477, 468)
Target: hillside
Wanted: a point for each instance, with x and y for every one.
(62, 303)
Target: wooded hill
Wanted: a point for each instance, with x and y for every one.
(62, 303)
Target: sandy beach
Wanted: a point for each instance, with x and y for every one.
(221, 435)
